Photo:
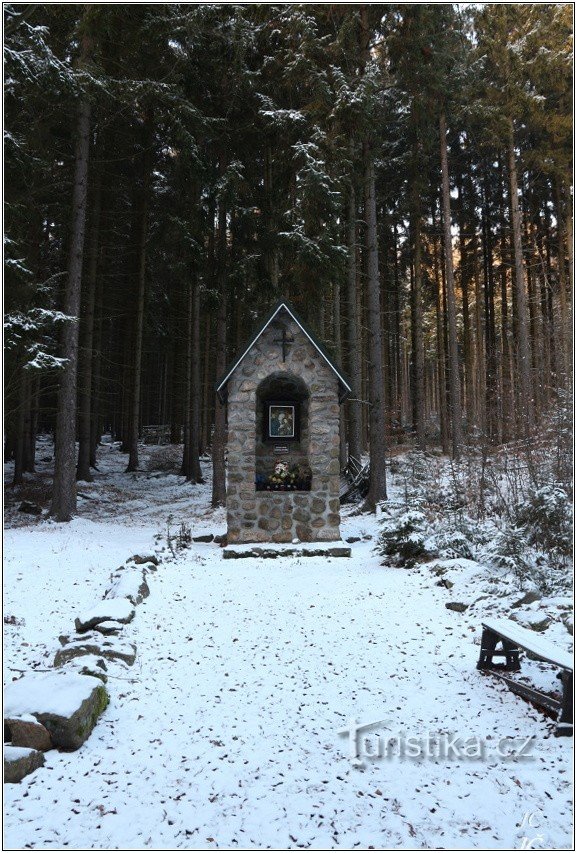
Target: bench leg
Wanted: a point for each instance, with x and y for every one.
(489, 641)
(565, 721)
(511, 656)
(510, 652)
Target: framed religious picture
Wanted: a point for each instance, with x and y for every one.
(281, 421)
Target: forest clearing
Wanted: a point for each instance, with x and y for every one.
(288, 471)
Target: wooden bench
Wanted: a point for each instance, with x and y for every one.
(512, 638)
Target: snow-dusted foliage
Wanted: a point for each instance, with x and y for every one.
(452, 543)
(508, 551)
(31, 334)
(403, 540)
(546, 519)
(491, 509)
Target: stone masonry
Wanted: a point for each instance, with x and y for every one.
(266, 516)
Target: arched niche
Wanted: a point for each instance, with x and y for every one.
(282, 427)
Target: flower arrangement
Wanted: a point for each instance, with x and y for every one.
(284, 478)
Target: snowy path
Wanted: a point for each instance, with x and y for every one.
(226, 736)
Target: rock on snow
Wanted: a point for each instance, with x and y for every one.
(110, 610)
(19, 761)
(67, 705)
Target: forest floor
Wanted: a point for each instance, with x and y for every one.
(226, 731)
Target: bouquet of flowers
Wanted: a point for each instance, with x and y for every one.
(282, 477)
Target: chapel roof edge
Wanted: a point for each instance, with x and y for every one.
(344, 384)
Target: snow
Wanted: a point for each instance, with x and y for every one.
(104, 627)
(225, 732)
(15, 753)
(25, 718)
(126, 584)
(51, 693)
(106, 643)
(51, 572)
(89, 662)
(113, 609)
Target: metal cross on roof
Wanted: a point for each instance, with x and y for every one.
(284, 341)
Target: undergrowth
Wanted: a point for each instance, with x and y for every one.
(509, 508)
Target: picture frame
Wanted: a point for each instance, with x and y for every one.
(281, 420)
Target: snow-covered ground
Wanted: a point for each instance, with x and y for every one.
(225, 733)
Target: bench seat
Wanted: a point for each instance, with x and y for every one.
(531, 642)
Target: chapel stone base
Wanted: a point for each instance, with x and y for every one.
(284, 517)
(328, 549)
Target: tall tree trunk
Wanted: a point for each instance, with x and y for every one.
(386, 315)
(97, 379)
(523, 344)
(562, 277)
(570, 249)
(506, 389)
(175, 408)
(271, 252)
(418, 346)
(190, 460)
(531, 269)
(31, 425)
(378, 476)
(30, 378)
(219, 435)
(441, 362)
(454, 381)
(142, 232)
(490, 419)
(195, 469)
(339, 356)
(543, 281)
(354, 409)
(18, 477)
(27, 425)
(64, 489)
(395, 361)
(86, 352)
(186, 466)
(376, 424)
(478, 339)
(206, 395)
(465, 270)
(127, 366)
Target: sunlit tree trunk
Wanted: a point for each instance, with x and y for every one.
(523, 344)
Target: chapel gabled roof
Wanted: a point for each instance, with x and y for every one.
(344, 384)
